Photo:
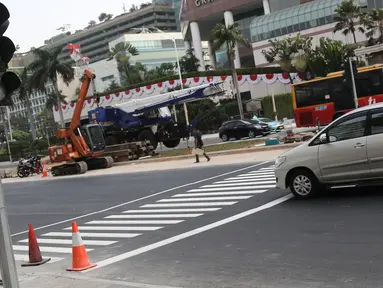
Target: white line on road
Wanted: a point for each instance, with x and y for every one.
(188, 234)
(173, 210)
(148, 216)
(25, 258)
(251, 177)
(205, 199)
(143, 198)
(266, 169)
(69, 242)
(239, 184)
(204, 204)
(258, 174)
(115, 228)
(232, 188)
(46, 249)
(219, 193)
(135, 222)
(93, 235)
(244, 180)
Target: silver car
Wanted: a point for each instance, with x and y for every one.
(346, 153)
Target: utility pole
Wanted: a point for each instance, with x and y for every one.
(353, 82)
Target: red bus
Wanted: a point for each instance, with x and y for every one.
(326, 98)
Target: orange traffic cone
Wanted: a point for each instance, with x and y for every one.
(45, 173)
(80, 259)
(35, 258)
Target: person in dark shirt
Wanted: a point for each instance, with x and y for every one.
(198, 144)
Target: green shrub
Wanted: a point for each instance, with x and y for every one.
(283, 104)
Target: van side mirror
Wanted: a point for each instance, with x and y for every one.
(323, 138)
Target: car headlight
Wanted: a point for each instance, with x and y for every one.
(280, 160)
(258, 126)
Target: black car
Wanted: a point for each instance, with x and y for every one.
(242, 128)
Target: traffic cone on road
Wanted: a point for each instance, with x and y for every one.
(45, 173)
(35, 258)
(80, 259)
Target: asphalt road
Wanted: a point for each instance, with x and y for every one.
(262, 239)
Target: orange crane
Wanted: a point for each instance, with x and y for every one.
(84, 145)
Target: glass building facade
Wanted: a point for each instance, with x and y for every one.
(295, 19)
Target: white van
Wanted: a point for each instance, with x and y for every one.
(346, 153)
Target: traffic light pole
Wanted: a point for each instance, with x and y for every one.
(353, 83)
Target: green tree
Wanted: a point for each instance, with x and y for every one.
(91, 23)
(122, 52)
(164, 70)
(373, 22)
(54, 99)
(46, 68)
(227, 38)
(20, 135)
(133, 8)
(143, 5)
(105, 17)
(48, 125)
(20, 123)
(189, 62)
(24, 94)
(112, 86)
(346, 17)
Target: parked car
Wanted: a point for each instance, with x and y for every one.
(275, 126)
(346, 153)
(242, 128)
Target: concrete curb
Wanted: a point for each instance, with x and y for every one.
(217, 153)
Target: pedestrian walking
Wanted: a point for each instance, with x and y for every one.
(198, 145)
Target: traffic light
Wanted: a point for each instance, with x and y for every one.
(9, 81)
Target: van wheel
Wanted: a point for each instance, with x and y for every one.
(303, 184)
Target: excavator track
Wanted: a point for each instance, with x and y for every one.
(69, 169)
(99, 163)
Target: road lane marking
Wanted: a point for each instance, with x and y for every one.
(266, 169)
(257, 174)
(146, 216)
(69, 242)
(239, 184)
(205, 199)
(251, 177)
(137, 222)
(115, 228)
(173, 210)
(243, 180)
(47, 249)
(25, 258)
(143, 198)
(93, 235)
(188, 234)
(207, 204)
(232, 188)
(219, 193)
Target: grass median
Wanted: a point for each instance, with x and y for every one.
(213, 148)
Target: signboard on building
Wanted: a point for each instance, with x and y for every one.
(203, 2)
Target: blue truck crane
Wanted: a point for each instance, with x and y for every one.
(149, 118)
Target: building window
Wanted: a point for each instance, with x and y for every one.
(107, 78)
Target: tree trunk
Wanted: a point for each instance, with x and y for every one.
(353, 35)
(62, 123)
(235, 83)
(30, 117)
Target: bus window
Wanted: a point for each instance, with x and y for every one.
(313, 93)
(303, 95)
(369, 83)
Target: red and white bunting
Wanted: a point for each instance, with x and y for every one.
(196, 81)
(107, 99)
(284, 78)
(56, 108)
(299, 77)
(71, 106)
(186, 81)
(118, 96)
(127, 95)
(74, 51)
(149, 89)
(138, 91)
(223, 78)
(64, 107)
(253, 78)
(160, 86)
(89, 102)
(210, 79)
(171, 84)
(269, 78)
(241, 79)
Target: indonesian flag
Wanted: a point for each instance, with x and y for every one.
(74, 51)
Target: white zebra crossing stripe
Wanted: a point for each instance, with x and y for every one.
(47, 249)
(138, 222)
(116, 228)
(93, 235)
(232, 188)
(252, 177)
(186, 210)
(202, 204)
(220, 193)
(25, 258)
(205, 199)
(240, 184)
(69, 242)
(244, 180)
(260, 173)
(157, 216)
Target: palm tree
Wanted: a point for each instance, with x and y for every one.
(227, 38)
(54, 99)
(122, 52)
(23, 95)
(189, 62)
(373, 22)
(46, 68)
(347, 14)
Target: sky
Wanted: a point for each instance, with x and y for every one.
(32, 22)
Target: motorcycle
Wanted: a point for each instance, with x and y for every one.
(29, 165)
